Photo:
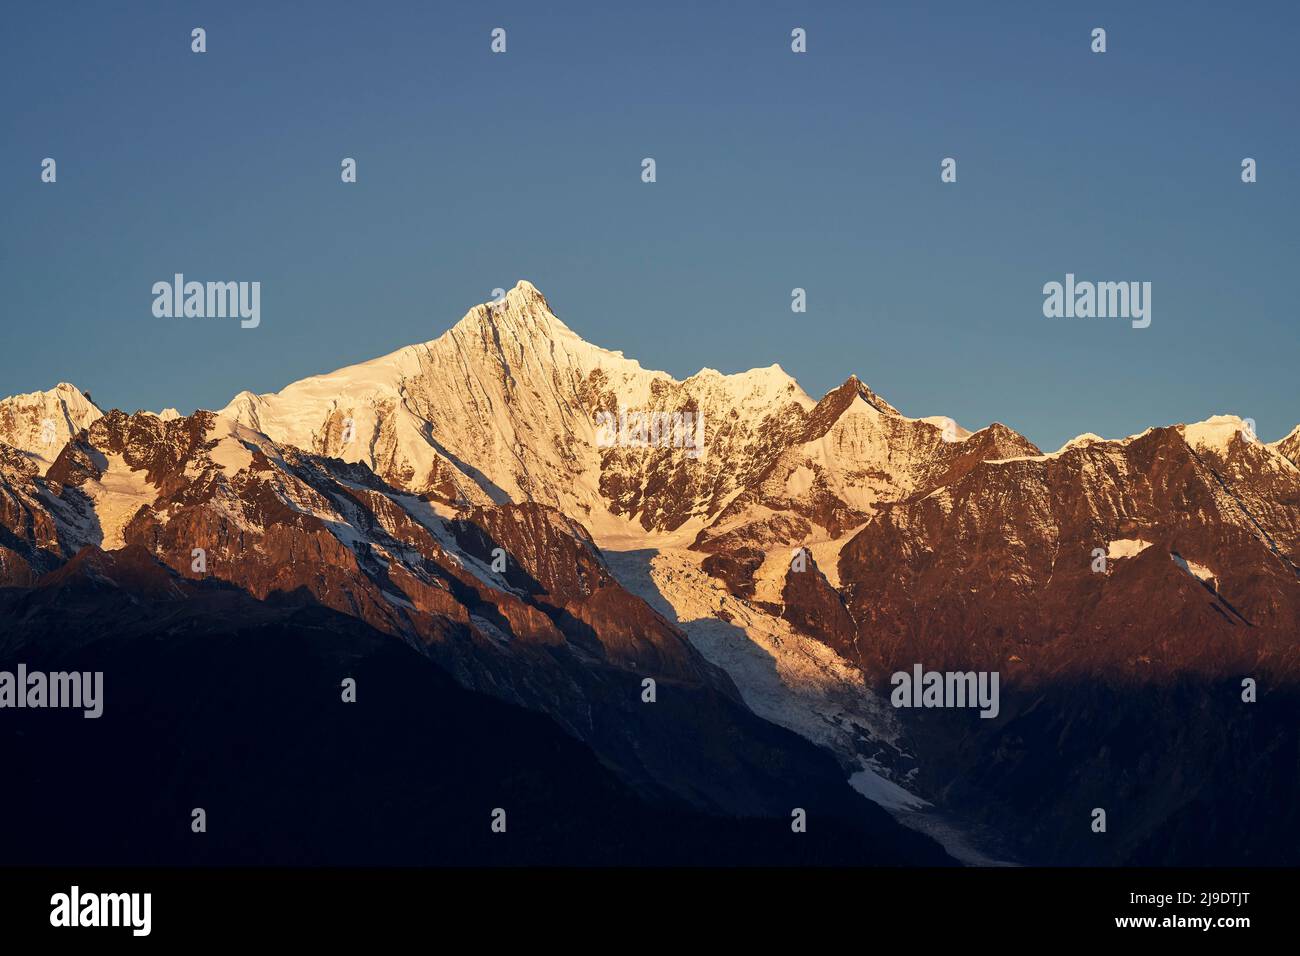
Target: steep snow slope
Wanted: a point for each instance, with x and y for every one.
(790, 679)
(503, 407)
(794, 681)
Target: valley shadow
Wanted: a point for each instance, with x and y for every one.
(1091, 771)
(216, 701)
(729, 647)
(1167, 760)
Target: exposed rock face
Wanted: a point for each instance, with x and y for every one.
(1290, 446)
(813, 606)
(1261, 480)
(855, 453)
(1000, 564)
(552, 555)
(736, 568)
(29, 543)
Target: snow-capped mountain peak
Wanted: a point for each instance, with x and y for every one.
(1217, 432)
(39, 424)
(504, 405)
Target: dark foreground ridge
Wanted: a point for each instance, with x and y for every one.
(222, 702)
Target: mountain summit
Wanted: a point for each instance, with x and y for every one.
(503, 406)
(40, 423)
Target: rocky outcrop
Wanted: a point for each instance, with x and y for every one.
(1120, 557)
(814, 607)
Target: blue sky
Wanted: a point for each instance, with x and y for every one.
(775, 170)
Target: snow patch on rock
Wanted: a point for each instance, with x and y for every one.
(1216, 433)
(116, 496)
(1198, 571)
(1126, 548)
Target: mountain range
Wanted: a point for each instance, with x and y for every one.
(707, 639)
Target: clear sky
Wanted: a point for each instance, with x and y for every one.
(775, 170)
